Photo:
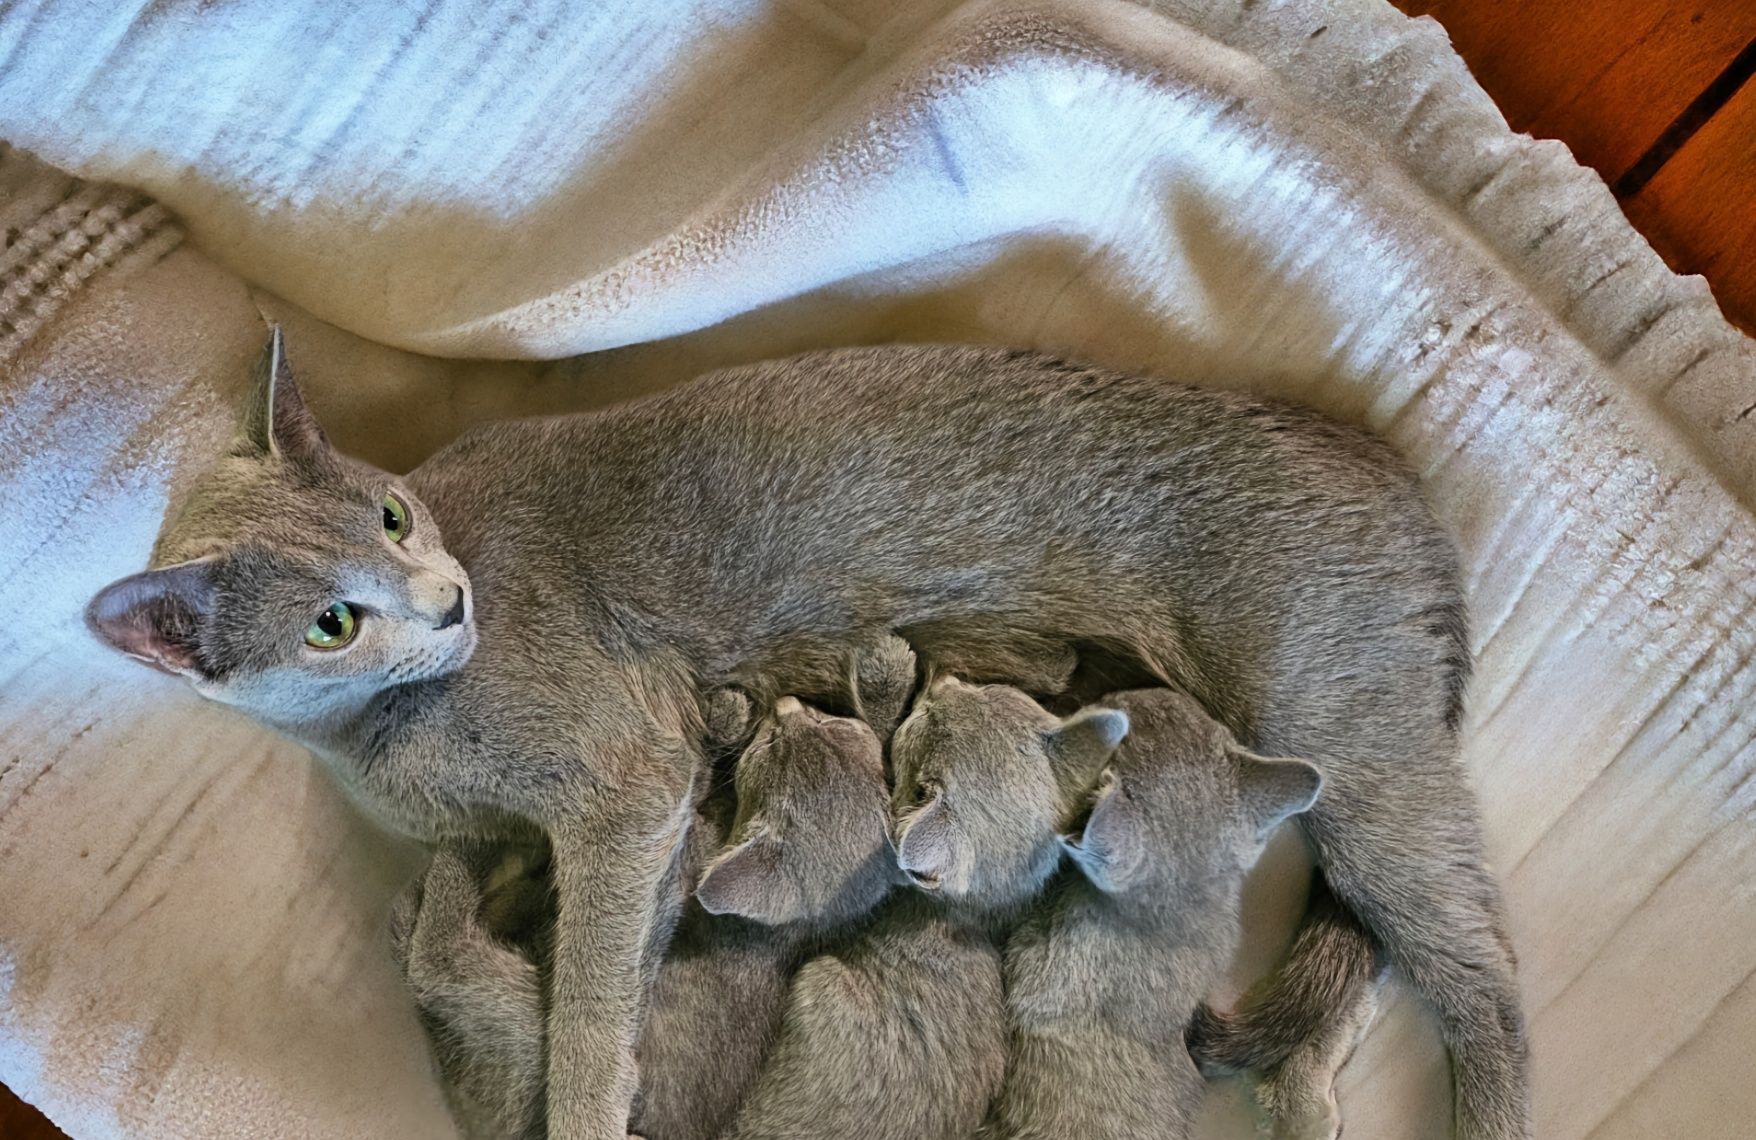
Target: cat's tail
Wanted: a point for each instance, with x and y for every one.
(1327, 987)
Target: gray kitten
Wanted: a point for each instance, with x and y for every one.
(893, 1029)
(477, 984)
(1109, 967)
(985, 778)
(898, 1029)
(985, 782)
(597, 572)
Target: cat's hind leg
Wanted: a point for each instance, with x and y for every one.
(1296, 1028)
(1400, 844)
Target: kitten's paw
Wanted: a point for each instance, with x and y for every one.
(729, 718)
(883, 683)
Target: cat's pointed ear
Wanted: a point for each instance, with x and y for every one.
(277, 421)
(1273, 790)
(1081, 745)
(929, 850)
(750, 881)
(1110, 847)
(155, 616)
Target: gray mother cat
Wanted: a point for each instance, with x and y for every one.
(751, 528)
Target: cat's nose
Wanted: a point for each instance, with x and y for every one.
(455, 613)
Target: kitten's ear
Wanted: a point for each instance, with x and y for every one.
(749, 881)
(1272, 790)
(277, 421)
(1111, 846)
(155, 616)
(1080, 746)
(928, 848)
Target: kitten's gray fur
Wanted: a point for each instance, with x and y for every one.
(1108, 968)
(984, 780)
(752, 527)
(480, 998)
(895, 1028)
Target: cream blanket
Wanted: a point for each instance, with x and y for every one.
(1308, 197)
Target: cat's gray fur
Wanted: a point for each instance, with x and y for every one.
(714, 1006)
(1105, 972)
(1297, 1028)
(754, 525)
(894, 1029)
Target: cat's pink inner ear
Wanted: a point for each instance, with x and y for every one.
(155, 616)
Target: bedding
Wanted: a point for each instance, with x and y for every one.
(465, 211)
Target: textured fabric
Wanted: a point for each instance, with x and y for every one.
(1309, 198)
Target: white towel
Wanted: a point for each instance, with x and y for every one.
(1309, 198)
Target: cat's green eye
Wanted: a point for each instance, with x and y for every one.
(396, 518)
(333, 628)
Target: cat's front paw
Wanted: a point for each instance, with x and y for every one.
(883, 682)
(728, 718)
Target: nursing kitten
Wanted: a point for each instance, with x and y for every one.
(895, 1027)
(1106, 971)
(985, 781)
(985, 778)
(520, 627)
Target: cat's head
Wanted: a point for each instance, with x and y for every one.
(296, 580)
(1182, 803)
(985, 779)
(811, 838)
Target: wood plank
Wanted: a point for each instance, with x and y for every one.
(1605, 76)
(19, 1121)
(1699, 210)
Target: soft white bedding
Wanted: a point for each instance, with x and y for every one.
(1307, 198)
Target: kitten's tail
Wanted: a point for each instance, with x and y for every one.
(1330, 975)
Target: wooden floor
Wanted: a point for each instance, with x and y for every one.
(19, 1121)
(1655, 94)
